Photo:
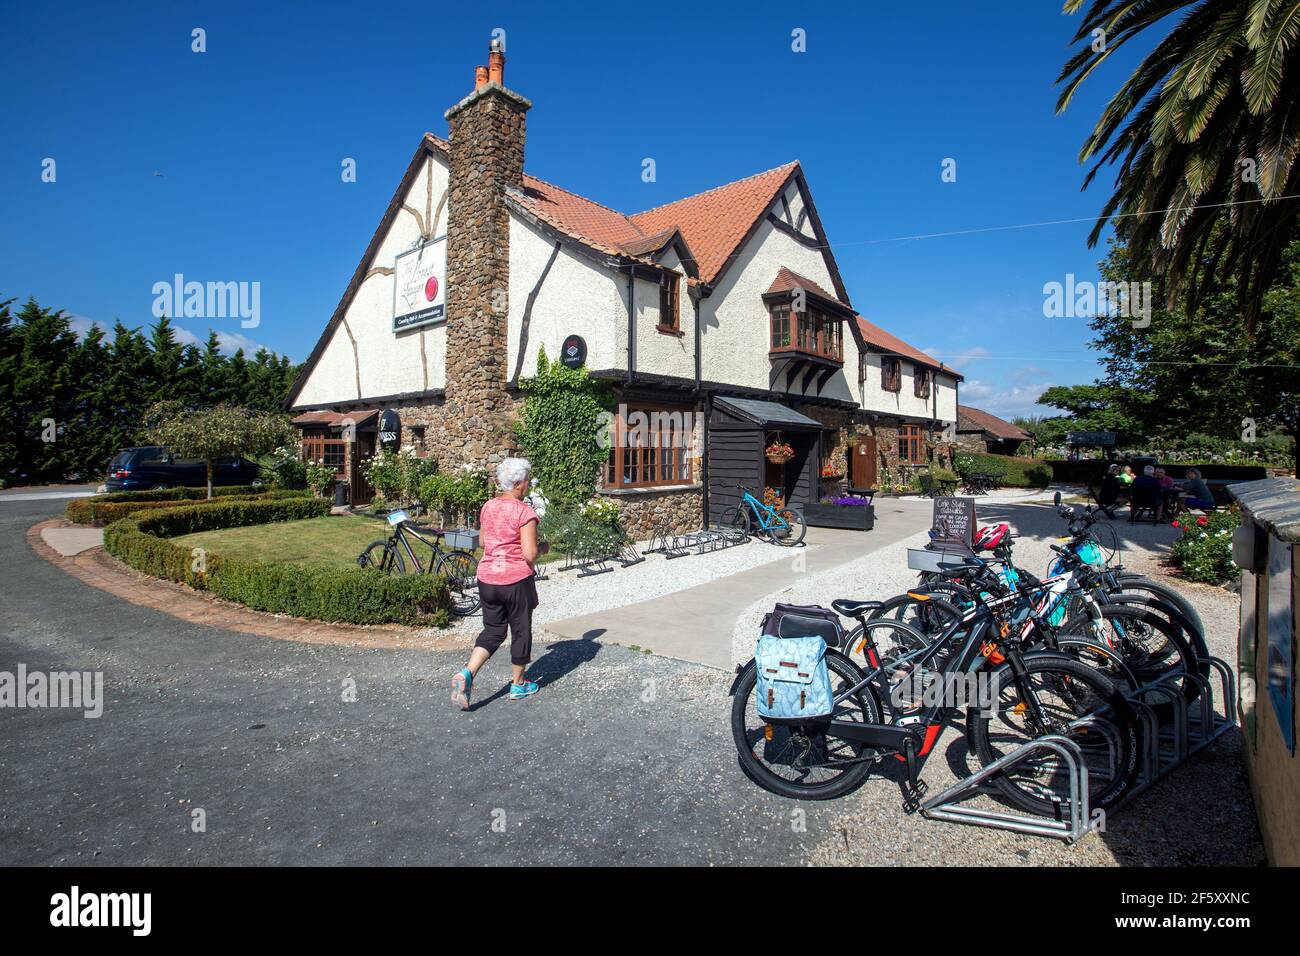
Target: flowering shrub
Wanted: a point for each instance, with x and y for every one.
(772, 499)
(319, 478)
(1204, 549)
(285, 467)
(601, 511)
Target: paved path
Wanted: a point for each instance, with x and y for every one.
(70, 541)
(696, 624)
(623, 758)
(46, 493)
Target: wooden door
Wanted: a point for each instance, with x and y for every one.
(862, 463)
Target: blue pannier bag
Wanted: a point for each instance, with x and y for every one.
(794, 683)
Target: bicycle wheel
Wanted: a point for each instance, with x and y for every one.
(461, 572)
(737, 519)
(804, 761)
(382, 557)
(1131, 582)
(897, 643)
(1065, 691)
(1153, 648)
(787, 528)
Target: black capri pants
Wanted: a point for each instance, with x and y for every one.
(508, 604)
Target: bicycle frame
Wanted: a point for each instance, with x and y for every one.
(906, 740)
(399, 536)
(762, 512)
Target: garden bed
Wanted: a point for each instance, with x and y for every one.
(261, 578)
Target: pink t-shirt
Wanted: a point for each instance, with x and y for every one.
(500, 521)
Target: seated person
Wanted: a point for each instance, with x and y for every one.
(1166, 483)
(1149, 480)
(1110, 489)
(1198, 492)
(1126, 476)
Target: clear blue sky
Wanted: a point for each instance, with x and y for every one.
(225, 165)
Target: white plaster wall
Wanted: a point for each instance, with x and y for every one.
(578, 296)
(389, 364)
(947, 385)
(659, 352)
(735, 320)
(798, 211)
(904, 401)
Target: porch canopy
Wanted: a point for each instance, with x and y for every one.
(768, 414)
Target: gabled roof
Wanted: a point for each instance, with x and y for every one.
(879, 339)
(971, 419)
(788, 280)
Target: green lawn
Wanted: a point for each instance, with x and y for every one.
(335, 540)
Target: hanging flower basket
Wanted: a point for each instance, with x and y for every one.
(778, 453)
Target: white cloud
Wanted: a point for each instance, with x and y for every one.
(227, 342)
(1006, 401)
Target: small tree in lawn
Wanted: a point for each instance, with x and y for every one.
(218, 432)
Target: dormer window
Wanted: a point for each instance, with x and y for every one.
(812, 332)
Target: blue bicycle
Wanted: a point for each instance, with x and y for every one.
(781, 526)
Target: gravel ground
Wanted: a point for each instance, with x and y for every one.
(564, 594)
(1199, 815)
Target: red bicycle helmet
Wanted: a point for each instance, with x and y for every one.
(988, 538)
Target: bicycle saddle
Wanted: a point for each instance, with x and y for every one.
(851, 608)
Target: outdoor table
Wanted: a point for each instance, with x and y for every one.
(944, 488)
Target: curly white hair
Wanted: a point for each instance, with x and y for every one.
(512, 472)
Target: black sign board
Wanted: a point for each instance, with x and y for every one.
(390, 429)
(1091, 439)
(573, 354)
(954, 521)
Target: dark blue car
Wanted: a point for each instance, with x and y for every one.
(151, 467)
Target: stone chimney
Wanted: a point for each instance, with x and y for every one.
(487, 158)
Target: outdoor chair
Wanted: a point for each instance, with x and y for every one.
(1106, 497)
(1144, 499)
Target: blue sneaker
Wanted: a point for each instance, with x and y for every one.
(519, 691)
(460, 688)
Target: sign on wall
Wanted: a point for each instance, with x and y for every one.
(573, 353)
(390, 429)
(420, 289)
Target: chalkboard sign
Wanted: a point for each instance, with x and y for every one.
(954, 521)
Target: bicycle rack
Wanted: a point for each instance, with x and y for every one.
(1075, 826)
(1165, 746)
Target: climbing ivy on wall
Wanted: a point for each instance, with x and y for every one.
(562, 429)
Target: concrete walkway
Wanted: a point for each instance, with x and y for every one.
(72, 541)
(696, 624)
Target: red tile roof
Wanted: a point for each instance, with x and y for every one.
(714, 223)
(878, 337)
(786, 281)
(977, 420)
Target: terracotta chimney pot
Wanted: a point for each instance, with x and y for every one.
(496, 63)
(480, 77)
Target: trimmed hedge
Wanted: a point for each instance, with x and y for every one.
(351, 595)
(1012, 472)
(105, 509)
(181, 494)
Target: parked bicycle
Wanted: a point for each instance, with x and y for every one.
(397, 555)
(1033, 694)
(782, 526)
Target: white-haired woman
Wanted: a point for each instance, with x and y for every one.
(508, 528)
